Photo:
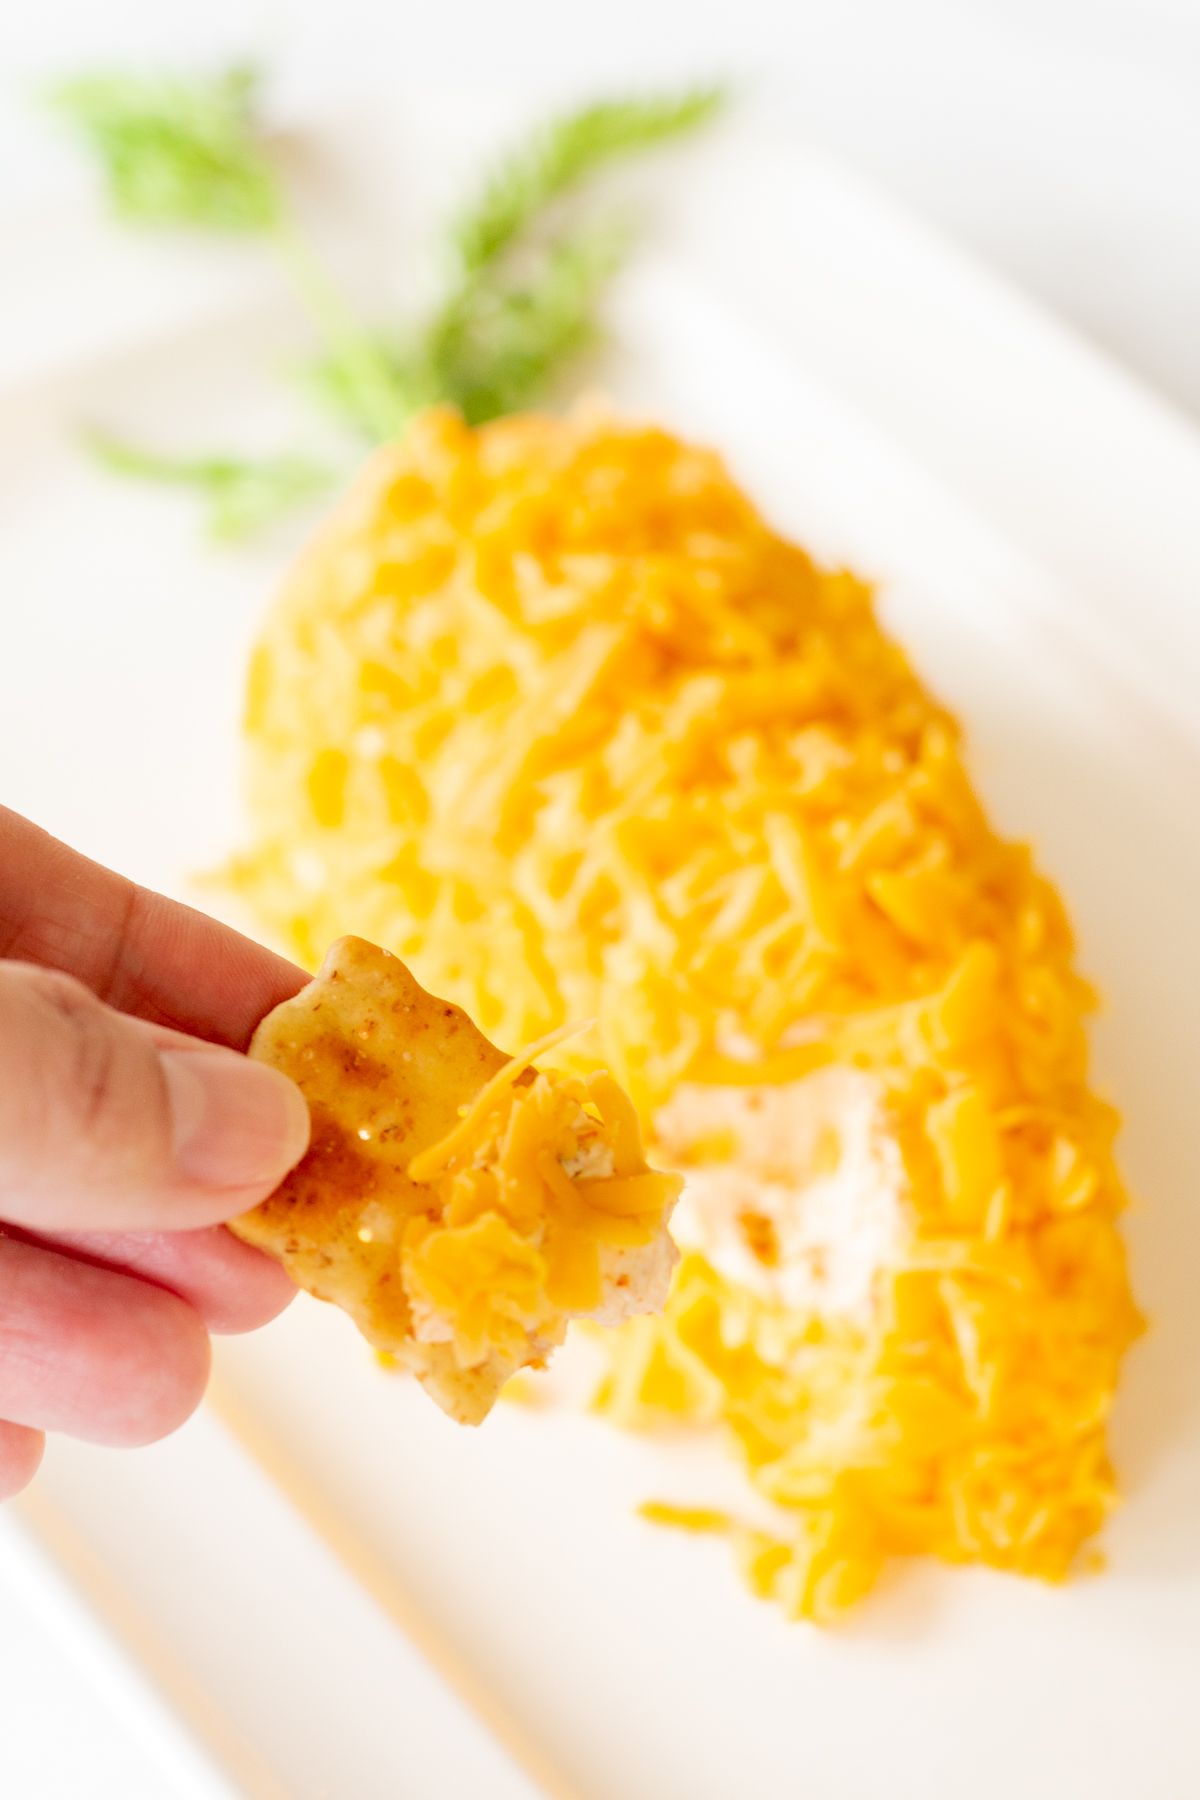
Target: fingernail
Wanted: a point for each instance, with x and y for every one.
(234, 1123)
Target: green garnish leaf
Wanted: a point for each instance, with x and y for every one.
(560, 155)
(498, 345)
(187, 152)
(358, 375)
(339, 386)
(524, 284)
(242, 494)
(176, 151)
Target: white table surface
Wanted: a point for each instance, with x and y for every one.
(1055, 137)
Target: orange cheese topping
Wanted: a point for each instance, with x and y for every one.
(531, 1187)
(552, 711)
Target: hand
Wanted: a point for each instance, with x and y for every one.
(129, 1129)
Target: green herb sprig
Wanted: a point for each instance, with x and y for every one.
(177, 152)
(522, 292)
(242, 494)
(559, 156)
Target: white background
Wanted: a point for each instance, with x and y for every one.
(1059, 138)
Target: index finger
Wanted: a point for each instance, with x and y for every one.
(137, 950)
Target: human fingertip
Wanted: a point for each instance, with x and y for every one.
(157, 1379)
(21, 1451)
(235, 1124)
(254, 1294)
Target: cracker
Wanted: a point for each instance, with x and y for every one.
(389, 1071)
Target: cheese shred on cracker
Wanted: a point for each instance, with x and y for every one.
(551, 710)
(460, 1205)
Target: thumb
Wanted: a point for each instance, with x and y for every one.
(108, 1122)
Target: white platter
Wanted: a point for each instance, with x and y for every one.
(286, 1575)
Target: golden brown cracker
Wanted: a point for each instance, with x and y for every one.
(385, 1068)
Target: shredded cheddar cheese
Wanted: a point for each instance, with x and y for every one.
(550, 710)
(531, 1189)
(495, 1093)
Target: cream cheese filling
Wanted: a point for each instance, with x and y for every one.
(795, 1191)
